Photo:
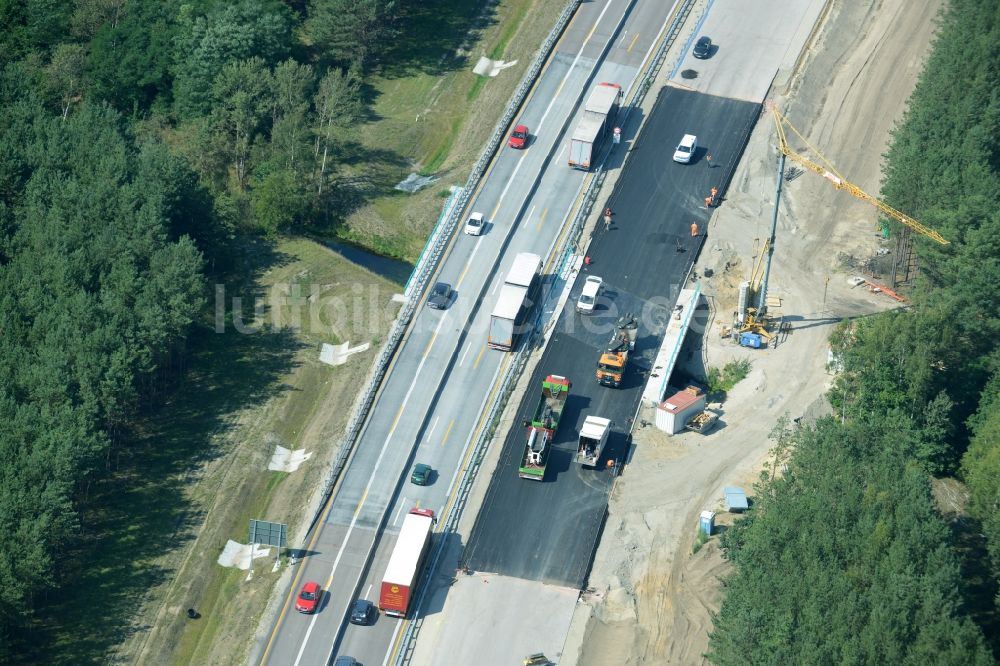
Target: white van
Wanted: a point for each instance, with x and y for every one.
(685, 149)
(588, 297)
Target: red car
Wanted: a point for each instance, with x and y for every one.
(519, 137)
(308, 600)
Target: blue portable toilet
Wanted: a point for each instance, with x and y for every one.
(753, 340)
(707, 522)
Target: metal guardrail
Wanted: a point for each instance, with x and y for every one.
(431, 256)
(523, 355)
(432, 240)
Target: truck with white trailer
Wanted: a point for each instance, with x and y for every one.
(406, 563)
(513, 305)
(595, 125)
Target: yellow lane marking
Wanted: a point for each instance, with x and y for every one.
(399, 413)
(398, 637)
(447, 432)
(462, 276)
(479, 357)
(361, 503)
(632, 43)
(442, 519)
(541, 218)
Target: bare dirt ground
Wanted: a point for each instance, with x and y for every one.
(652, 599)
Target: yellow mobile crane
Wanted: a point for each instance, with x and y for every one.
(752, 331)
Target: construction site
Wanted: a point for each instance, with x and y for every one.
(796, 247)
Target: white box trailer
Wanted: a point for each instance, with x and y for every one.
(516, 297)
(524, 270)
(406, 563)
(504, 319)
(596, 123)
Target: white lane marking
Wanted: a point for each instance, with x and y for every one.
(468, 442)
(468, 264)
(399, 511)
(368, 592)
(433, 425)
(548, 109)
(468, 348)
(378, 462)
(364, 495)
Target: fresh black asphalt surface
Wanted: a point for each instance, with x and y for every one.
(548, 531)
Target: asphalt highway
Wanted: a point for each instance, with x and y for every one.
(431, 400)
(548, 531)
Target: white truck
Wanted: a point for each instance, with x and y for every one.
(596, 123)
(406, 563)
(517, 295)
(593, 439)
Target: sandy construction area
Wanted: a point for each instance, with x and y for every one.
(652, 599)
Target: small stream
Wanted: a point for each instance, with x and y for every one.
(391, 269)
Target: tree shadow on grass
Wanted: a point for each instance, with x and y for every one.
(434, 36)
(364, 174)
(140, 510)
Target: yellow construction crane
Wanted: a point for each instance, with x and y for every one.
(831, 174)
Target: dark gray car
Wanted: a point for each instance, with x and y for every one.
(702, 48)
(440, 296)
(362, 612)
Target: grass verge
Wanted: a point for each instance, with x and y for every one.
(436, 115)
(194, 471)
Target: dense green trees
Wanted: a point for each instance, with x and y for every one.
(131, 51)
(139, 138)
(844, 559)
(350, 32)
(97, 291)
(226, 34)
(981, 470)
